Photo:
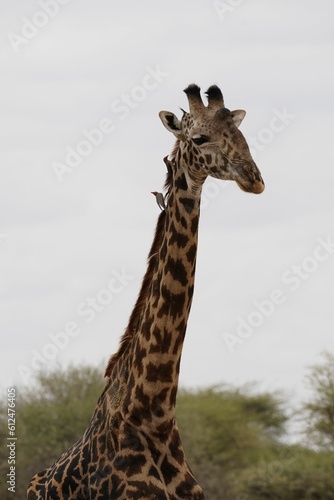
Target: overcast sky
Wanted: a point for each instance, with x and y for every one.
(82, 146)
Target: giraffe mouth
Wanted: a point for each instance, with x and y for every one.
(252, 187)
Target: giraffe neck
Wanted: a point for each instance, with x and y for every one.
(156, 349)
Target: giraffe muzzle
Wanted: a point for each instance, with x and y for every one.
(250, 179)
(252, 187)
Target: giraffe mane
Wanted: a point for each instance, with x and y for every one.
(172, 154)
(168, 163)
(152, 259)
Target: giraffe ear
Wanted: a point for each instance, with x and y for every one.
(171, 122)
(237, 116)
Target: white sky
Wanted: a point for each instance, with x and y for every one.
(61, 243)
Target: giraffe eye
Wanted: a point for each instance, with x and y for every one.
(201, 139)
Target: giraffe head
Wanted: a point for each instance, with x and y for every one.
(209, 142)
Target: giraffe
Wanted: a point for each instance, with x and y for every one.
(132, 448)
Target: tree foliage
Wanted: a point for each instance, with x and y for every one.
(295, 473)
(319, 410)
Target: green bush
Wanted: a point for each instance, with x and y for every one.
(300, 474)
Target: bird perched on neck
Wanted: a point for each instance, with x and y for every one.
(160, 199)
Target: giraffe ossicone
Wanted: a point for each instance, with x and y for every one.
(132, 448)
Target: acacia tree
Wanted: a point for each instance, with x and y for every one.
(320, 409)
